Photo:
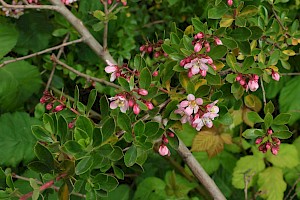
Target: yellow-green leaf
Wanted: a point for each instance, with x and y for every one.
(226, 21)
(289, 52)
(286, 157)
(271, 184)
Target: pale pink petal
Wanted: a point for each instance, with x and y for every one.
(184, 104)
(112, 77)
(188, 110)
(191, 97)
(199, 101)
(110, 69)
(113, 105)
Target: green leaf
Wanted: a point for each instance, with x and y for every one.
(217, 11)
(169, 108)
(213, 79)
(84, 165)
(229, 43)
(85, 124)
(202, 91)
(19, 80)
(274, 57)
(168, 49)
(73, 147)
(44, 155)
(241, 34)
(256, 32)
(244, 47)
(104, 106)
(62, 128)
(8, 38)
(122, 192)
(124, 84)
(130, 156)
(231, 61)
(91, 100)
(145, 78)
(253, 133)
(107, 184)
(283, 134)
(254, 117)
(247, 167)
(248, 11)
(269, 108)
(39, 167)
(282, 118)
(198, 25)
(76, 97)
(139, 128)
(118, 172)
(289, 99)
(124, 122)
(210, 165)
(151, 128)
(268, 120)
(271, 182)
(218, 52)
(16, 139)
(41, 134)
(287, 157)
(150, 188)
(108, 129)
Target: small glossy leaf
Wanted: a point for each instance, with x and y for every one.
(169, 108)
(282, 118)
(84, 165)
(268, 120)
(269, 108)
(244, 47)
(73, 147)
(108, 129)
(91, 100)
(130, 156)
(256, 32)
(151, 128)
(41, 134)
(217, 52)
(198, 25)
(104, 106)
(248, 11)
(124, 122)
(39, 167)
(139, 128)
(44, 155)
(145, 78)
(254, 117)
(253, 133)
(283, 134)
(217, 11)
(202, 91)
(241, 34)
(124, 84)
(85, 124)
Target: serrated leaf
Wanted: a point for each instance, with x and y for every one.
(151, 188)
(287, 156)
(19, 80)
(210, 165)
(271, 183)
(130, 156)
(8, 38)
(247, 167)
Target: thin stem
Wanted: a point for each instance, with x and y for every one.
(152, 23)
(46, 7)
(290, 74)
(54, 59)
(41, 183)
(105, 31)
(277, 17)
(54, 64)
(113, 7)
(41, 52)
(263, 92)
(293, 187)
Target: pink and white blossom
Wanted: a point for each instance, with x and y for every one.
(163, 150)
(275, 76)
(217, 41)
(191, 105)
(197, 65)
(253, 85)
(113, 69)
(119, 101)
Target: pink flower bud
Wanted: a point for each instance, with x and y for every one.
(190, 74)
(71, 125)
(259, 140)
(165, 54)
(203, 73)
(165, 139)
(142, 48)
(268, 145)
(242, 82)
(109, 2)
(130, 102)
(171, 134)
(209, 60)
(255, 77)
(59, 108)
(49, 106)
(142, 92)
(43, 100)
(136, 109)
(218, 41)
(155, 73)
(207, 46)
(149, 105)
(253, 85)
(270, 132)
(238, 78)
(275, 76)
(163, 150)
(182, 63)
(149, 49)
(200, 35)
(197, 47)
(188, 60)
(124, 3)
(156, 54)
(229, 2)
(213, 66)
(275, 150)
(276, 140)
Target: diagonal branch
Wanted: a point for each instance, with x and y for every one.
(46, 7)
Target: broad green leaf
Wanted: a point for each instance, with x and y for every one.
(247, 167)
(229, 43)
(287, 157)
(122, 192)
(44, 155)
(187, 134)
(91, 100)
(145, 78)
(168, 49)
(213, 79)
(256, 32)
(118, 172)
(73, 147)
(16, 139)
(244, 47)
(240, 34)
(85, 124)
(124, 122)
(169, 108)
(268, 120)
(254, 117)
(104, 106)
(39, 167)
(217, 52)
(84, 165)
(269, 108)
(198, 25)
(271, 182)
(248, 11)
(19, 81)
(124, 84)
(273, 60)
(62, 129)
(130, 156)
(282, 118)
(210, 165)
(253, 133)
(8, 38)
(41, 134)
(217, 11)
(151, 188)
(151, 128)
(288, 99)
(108, 129)
(202, 91)
(283, 134)
(231, 61)
(139, 128)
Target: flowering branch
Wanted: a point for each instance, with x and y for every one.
(41, 52)
(45, 7)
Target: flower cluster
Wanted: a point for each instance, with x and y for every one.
(155, 48)
(195, 113)
(119, 71)
(124, 2)
(200, 41)
(252, 83)
(51, 100)
(197, 64)
(12, 12)
(163, 150)
(271, 143)
(125, 100)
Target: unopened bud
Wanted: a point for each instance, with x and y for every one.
(155, 73)
(171, 134)
(136, 109)
(49, 106)
(149, 105)
(142, 92)
(197, 47)
(270, 132)
(59, 108)
(229, 2)
(258, 140)
(200, 35)
(130, 102)
(143, 48)
(182, 63)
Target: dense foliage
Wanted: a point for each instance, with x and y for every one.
(80, 120)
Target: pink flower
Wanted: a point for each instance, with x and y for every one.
(197, 123)
(218, 41)
(184, 118)
(58, 108)
(113, 69)
(155, 73)
(119, 101)
(253, 85)
(212, 110)
(259, 140)
(136, 109)
(275, 76)
(191, 105)
(149, 105)
(229, 2)
(163, 150)
(200, 35)
(197, 47)
(142, 92)
(196, 65)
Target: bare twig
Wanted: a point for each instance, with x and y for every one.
(199, 172)
(84, 32)
(54, 64)
(46, 7)
(54, 59)
(263, 91)
(293, 187)
(105, 31)
(152, 23)
(41, 183)
(290, 74)
(277, 17)
(41, 52)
